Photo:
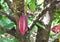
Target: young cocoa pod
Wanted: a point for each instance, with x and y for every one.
(23, 24)
(56, 28)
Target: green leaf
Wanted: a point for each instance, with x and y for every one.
(30, 19)
(31, 4)
(1, 1)
(58, 35)
(39, 1)
(8, 39)
(0, 17)
(34, 29)
(27, 1)
(51, 33)
(7, 21)
(32, 7)
(1, 32)
(9, 26)
(40, 25)
(15, 40)
(1, 39)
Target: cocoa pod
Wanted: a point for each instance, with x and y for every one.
(56, 28)
(23, 24)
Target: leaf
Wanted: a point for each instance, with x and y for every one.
(8, 38)
(58, 35)
(9, 26)
(1, 40)
(15, 40)
(51, 33)
(1, 32)
(1, 1)
(23, 24)
(0, 17)
(39, 1)
(32, 5)
(27, 1)
(33, 30)
(30, 19)
(40, 25)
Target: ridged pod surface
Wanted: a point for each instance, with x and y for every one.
(23, 24)
(56, 28)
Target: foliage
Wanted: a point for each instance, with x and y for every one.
(1, 32)
(58, 35)
(56, 18)
(8, 38)
(6, 23)
(33, 6)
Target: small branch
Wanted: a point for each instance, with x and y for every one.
(10, 16)
(40, 15)
(37, 18)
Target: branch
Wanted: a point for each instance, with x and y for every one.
(40, 15)
(10, 16)
(37, 18)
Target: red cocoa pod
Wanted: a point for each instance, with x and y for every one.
(23, 24)
(56, 28)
